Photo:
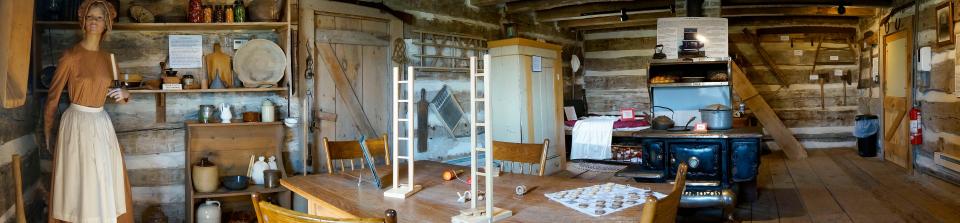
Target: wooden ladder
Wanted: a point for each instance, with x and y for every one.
(402, 190)
(771, 122)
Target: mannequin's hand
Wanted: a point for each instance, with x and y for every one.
(119, 94)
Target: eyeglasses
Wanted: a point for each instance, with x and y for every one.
(94, 18)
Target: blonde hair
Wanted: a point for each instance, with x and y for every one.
(109, 11)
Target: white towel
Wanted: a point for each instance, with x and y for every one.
(591, 138)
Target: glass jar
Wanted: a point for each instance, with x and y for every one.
(195, 11)
(207, 14)
(239, 11)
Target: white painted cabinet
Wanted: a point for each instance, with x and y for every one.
(527, 99)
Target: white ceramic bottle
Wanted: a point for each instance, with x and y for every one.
(258, 169)
(209, 212)
(266, 111)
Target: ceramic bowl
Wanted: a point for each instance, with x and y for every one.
(235, 182)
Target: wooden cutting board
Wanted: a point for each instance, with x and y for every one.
(217, 60)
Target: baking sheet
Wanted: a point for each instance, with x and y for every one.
(608, 193)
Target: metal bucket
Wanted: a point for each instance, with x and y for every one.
(717, 119)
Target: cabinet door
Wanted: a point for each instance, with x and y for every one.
(505, 96)
(745, 160)
(703, 159)
(653, 154)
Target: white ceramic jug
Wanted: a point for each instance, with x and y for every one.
(225, 113)
(209, 212)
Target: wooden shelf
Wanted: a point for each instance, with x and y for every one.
(194, 123)
(211, 90)
(693, 84)
(172, 26)
(223, 192)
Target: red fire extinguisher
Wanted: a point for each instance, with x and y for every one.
(916, 127)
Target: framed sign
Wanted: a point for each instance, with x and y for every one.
(944, 15)
(627, 114)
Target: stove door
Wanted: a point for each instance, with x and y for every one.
(703, 159)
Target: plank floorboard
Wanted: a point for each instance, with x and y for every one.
(832, 185)
(858, 203)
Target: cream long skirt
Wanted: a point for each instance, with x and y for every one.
(89, 179)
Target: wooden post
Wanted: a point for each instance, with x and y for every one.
(783, 136)
(18, 181)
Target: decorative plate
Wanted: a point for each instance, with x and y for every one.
(259, 62)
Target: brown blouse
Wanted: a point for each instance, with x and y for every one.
(89, 75)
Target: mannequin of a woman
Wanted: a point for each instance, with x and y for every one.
(89, 182)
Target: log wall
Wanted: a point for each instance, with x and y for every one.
(616, 76)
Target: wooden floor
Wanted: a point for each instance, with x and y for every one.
(836, 185)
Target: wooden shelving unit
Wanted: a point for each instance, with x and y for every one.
(172, 26)
(226, 90)
(229, 146)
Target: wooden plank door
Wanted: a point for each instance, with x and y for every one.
(896, 96)
(362, 39)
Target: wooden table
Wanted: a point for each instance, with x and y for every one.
(337, 195)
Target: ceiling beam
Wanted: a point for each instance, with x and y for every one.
(535, 5)
(570, 12)
(872, 3)
(607, 19)
(631, 23)
(481, 3)
(758, 10)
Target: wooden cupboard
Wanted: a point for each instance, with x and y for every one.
(526, 95)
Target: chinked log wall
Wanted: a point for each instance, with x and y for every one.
(616, 77)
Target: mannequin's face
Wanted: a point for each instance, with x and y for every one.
(95, 21)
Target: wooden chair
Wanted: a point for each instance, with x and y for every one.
(662, 211)
(523, 153)
(270, 213)
(350, 150)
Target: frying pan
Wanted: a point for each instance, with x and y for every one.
(685, 126)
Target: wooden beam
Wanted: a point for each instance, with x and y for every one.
(632, 23)
(643, 17)
(873, 3)
(481, 3)
(565, 13)
(646, 14)
(761, 10)
(766, 58)
(535, 5)
(351, 37)
(771, 122)
(345, 90)
(848, 31)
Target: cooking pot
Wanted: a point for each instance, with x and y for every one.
(717, 117)
(662, 122)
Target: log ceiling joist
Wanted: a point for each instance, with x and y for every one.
(608, 19)
(807, 30)
(628, 23)
(871, 3)
(571, 12)
(794, 10)
(536, 5)
(481, 3)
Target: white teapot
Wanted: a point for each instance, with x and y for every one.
(225, 113)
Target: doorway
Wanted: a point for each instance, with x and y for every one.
(897, 93)
(360, 38)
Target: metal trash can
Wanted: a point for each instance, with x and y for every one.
(865, 130)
